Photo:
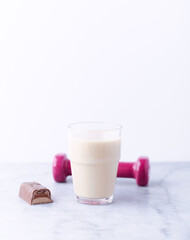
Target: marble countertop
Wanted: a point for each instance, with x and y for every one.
(159, 211)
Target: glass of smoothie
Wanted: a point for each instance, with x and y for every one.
(94, 151)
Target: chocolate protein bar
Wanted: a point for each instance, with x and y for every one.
(34, 193)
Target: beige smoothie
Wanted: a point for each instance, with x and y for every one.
(94, 166)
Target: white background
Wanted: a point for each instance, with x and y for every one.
(118, 61)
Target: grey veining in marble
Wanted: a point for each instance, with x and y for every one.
(159, 211)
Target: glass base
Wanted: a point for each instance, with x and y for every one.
(95, 201)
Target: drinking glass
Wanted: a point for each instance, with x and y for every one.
(94, 151)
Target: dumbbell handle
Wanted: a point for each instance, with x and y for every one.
(125, 170)
(68, 167)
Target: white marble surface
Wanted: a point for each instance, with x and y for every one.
(159, 211)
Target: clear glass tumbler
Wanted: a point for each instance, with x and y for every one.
(94, 151)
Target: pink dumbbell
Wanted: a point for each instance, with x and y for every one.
(138, 170)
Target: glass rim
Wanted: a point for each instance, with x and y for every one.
(73, 126)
